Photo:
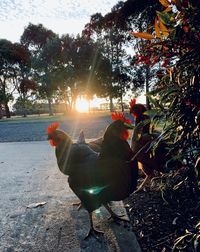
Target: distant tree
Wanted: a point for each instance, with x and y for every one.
(35, 37)
(24, 84)
(115, 28)
(7, 73)
(45, 48)
(112, 38)
(13, 60)
(81, 72)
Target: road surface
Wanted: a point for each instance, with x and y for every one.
(28, 176)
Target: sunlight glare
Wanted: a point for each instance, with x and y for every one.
(82, 105)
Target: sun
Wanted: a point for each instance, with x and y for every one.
(82, 105)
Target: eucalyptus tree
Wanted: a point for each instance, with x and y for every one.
(80, 73)
(25, 85)
(114, 29)
(45, 49)
(14, 59)
(6, 74)
(108, 31)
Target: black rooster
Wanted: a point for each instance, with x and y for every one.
(95, 178)
(141, 141)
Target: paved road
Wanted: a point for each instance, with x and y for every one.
(35, 130)
(28, 175)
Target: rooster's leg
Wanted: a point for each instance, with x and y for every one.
(114, 216)
(94, 232)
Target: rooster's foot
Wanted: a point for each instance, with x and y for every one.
(95, 233)
(78, 204)
(117, 218)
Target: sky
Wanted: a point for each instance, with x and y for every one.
(61, 16)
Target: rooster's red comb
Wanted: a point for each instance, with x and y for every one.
(120, 116)
(51, 128)
(132, 102)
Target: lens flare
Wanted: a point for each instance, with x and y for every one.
(82, 105)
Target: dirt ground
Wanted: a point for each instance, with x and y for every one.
(158, 220)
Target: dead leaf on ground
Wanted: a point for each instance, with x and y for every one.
(34, 205)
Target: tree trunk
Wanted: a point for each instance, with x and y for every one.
(122, 105)
(1, 111)
(50, 107)
(24, 107)
(111, 103)
(7, 110)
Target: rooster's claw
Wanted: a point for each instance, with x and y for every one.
(95, 233)
(78, 204)
(117, 218)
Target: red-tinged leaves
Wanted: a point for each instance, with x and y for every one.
(186, 28)
(165, 63)
(143, 35)
(154, 60)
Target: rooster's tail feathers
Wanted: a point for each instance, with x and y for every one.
(81, 138)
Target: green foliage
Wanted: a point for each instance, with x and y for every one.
(176, 97)
(175, 100)
(36, 36)
(14, 62)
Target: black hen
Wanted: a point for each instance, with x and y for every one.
(95, 178)
(141, 141)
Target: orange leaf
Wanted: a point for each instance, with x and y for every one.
(143, 35)
(165, 3)
(165, 48)
(157, 29)
(173, 1)
(164, 29)
(168, 9)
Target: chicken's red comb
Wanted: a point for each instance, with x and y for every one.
(120, 116)
(51, 128)
(132, 102)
